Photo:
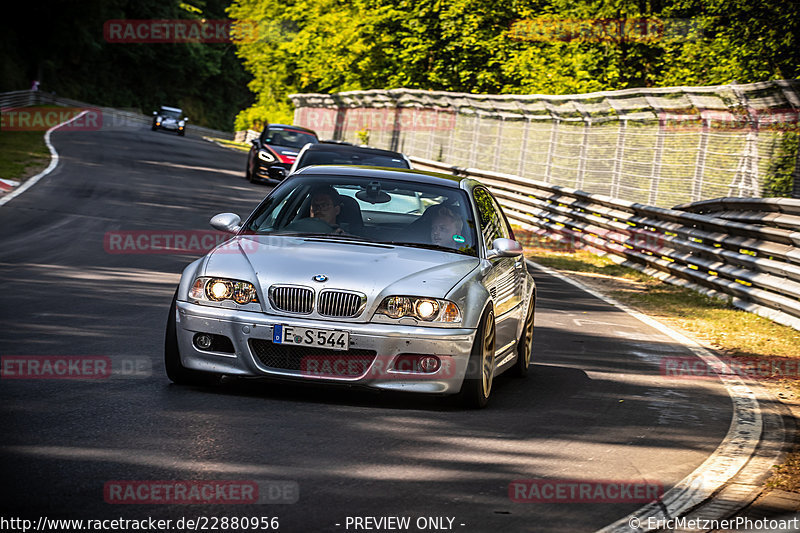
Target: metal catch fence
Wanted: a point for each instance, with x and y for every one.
(659, 146)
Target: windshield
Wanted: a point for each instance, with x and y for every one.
(369, 210)
(289, 138)
(347, 157)
(169, 113)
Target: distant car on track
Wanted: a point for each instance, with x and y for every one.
(274, 151)
(171, 119)
(332, 279)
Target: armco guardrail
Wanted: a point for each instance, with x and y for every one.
(111, 117)
(756, 267)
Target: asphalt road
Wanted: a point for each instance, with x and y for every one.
(595, 407)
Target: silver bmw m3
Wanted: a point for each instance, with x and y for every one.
(384, 278)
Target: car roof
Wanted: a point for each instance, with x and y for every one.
(176, 109)
(351, 149)
(400, 174)
(290, 127)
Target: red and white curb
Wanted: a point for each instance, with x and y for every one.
(7, 185)
(50, 168)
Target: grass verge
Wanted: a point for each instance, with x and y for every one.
(245, 147)
(22, 154)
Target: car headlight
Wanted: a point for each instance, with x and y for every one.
(264, 155)
(220, 289)
(420, 308)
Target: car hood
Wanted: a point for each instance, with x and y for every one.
(374, 270)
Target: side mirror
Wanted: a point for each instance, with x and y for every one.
(504, 248)
(255, 142)
(155, 113)
(186, 119)
(228, 222)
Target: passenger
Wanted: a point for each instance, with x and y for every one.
(446, 225)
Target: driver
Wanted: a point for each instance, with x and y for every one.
(326, 204)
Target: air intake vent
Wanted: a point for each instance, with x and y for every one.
(292, 299)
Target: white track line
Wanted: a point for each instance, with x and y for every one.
(51, 167)
(731, 455)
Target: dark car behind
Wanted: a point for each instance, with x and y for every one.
(336, 153)
(274, 151)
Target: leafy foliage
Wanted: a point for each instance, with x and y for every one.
(470, 46)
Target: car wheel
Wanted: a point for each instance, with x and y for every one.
(153, 127)
(480, 371)
(176, 372)
(525, 344)
(181, 133)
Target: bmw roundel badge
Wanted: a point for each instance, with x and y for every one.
(320, 277)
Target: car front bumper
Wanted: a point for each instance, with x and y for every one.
(451, 345)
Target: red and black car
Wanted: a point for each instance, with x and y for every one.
(275, 150)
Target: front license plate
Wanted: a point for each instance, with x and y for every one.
(319, 338)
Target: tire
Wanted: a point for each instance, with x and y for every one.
(525, 344)
(477, 386)
(181, 133)
(176, 372)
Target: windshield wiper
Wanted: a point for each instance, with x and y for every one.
(426, 246)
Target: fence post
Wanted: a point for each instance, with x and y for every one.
(474, 148)
(619, 154)
(587, 124)
(524, 149)
(700, 162)
(657, 157)
(550, 149)
(497, 144)
(451, 141)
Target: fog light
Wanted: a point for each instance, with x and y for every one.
(429, 363)
(203, 341)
